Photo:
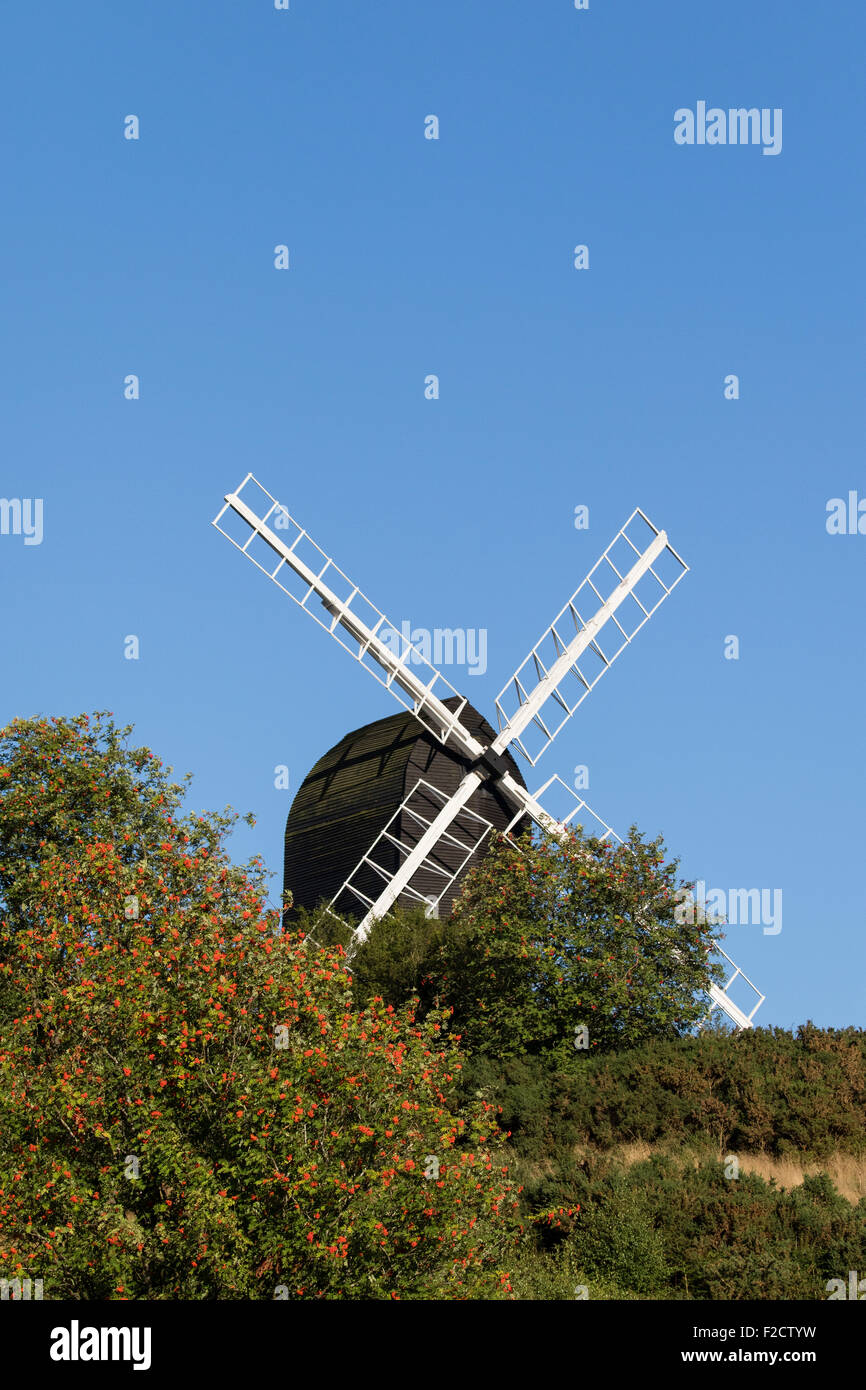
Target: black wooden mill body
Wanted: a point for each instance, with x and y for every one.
(353, 791)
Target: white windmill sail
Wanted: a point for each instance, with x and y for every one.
(722, 999)
(629, 581)
(415, 816)
(284, 551)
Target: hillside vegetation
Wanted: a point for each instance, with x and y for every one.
(716, 1166)
(707, 1167)
(512, 1103)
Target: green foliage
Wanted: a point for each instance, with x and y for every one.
(393, 962)
(764, 1090)
(745, 1238)
(192, 1103)
(667, 1229)
(551, 938)
(68, 783)
(282, 1107)
(556, 1276)
(672, 1227)
(616, 1240)
(675, 1226)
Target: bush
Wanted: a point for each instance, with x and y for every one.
(192, 1103)
(550, 941)
(616, 1240)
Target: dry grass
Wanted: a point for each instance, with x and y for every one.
(846, 1171)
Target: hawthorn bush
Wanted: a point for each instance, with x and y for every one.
(192, 1104)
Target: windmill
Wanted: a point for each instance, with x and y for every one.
(468, 784)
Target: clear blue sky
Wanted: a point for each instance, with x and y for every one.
(559, 387)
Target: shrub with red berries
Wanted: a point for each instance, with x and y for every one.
(191, 1103)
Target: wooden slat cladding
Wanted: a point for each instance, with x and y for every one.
(343, 804)
(353, 791)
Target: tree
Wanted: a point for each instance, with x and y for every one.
(192, 1103)
(65, 782)
(566, 945)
